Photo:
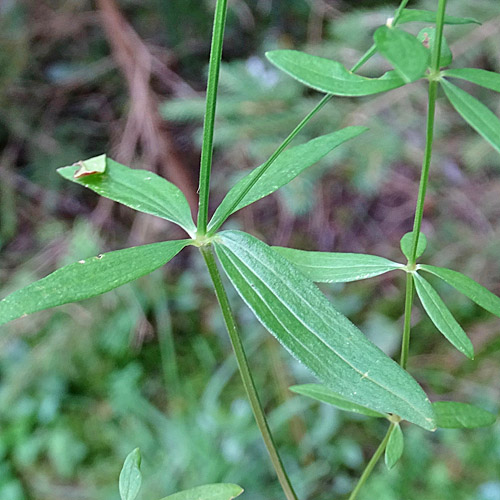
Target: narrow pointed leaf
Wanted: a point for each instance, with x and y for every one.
(219, 491)
(394, 448)
(139, 189)
(293, 309)
(429, 16)
(330, 76)
(406, 244)
(482, 77)
(326, 267)
(326, 395)
(284, 169)
(130, 476)
(454, 415)
(442, 317)
(408, 56)
(475, 113)
(476, 292)
(88, 278)
(427, 37)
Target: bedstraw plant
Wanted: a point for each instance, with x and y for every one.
(277, 284)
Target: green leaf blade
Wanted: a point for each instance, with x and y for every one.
(220, 491)
(141, 190)
(406, 244)
(455, 415)
(429, 16)
(326, 395)
(475, 113)
(326, 267)
(130, 476)
(88, 278)
(395, 447)
(427, 37)
(330, 76)
(441, 317)
(470, 288)
(408, 56)
(307, 325)
(482, 77)
(285, 168)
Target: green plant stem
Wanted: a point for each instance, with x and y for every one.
(211, 102)
(246, 375)
(372, 463)
(405, 344)
(431, 113)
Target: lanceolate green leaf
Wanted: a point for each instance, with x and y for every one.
(88, 278)
(326, 267)
(285, 168)
(442, 317)
(326, 395)
(130, 476)
(475, 113)
(209, 492)
(476, 292)
(482, 77)
(139, 189)
(395, 447)
(429, 16)
(330, 76)
(308, 326)
(454, 415)
(408, 56)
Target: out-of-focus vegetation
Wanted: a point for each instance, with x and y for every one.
(149, 365)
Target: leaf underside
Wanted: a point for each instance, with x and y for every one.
(330, 76)
(88, 278)
(130, 476)
(395, 447)
(330, 267)
(454, 415)
(218, 491)
(307, 325)
(141, 190)
(475, 113)
(476, 292)
(441, 316)
(326, 395)
(284, 169)
(408, 56)
(482, 77)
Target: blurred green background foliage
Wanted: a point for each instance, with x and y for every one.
(149, 365)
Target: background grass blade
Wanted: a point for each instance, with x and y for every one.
(326, 267)
(441, 317)
(395, 447)
(284, 169)
(219, 491)
(88, 278)
(307, 325)
(454, 415)
(130, 476)
(408, 56)
(481, 77)
(429, 16)
(475, 113)
(326, 395)
(141, 190)
(476, 292)
(330, 76)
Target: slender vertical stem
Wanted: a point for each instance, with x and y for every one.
(211, 102)
(431, 112)
(405, 344)
(372, 463)
(246, 375)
